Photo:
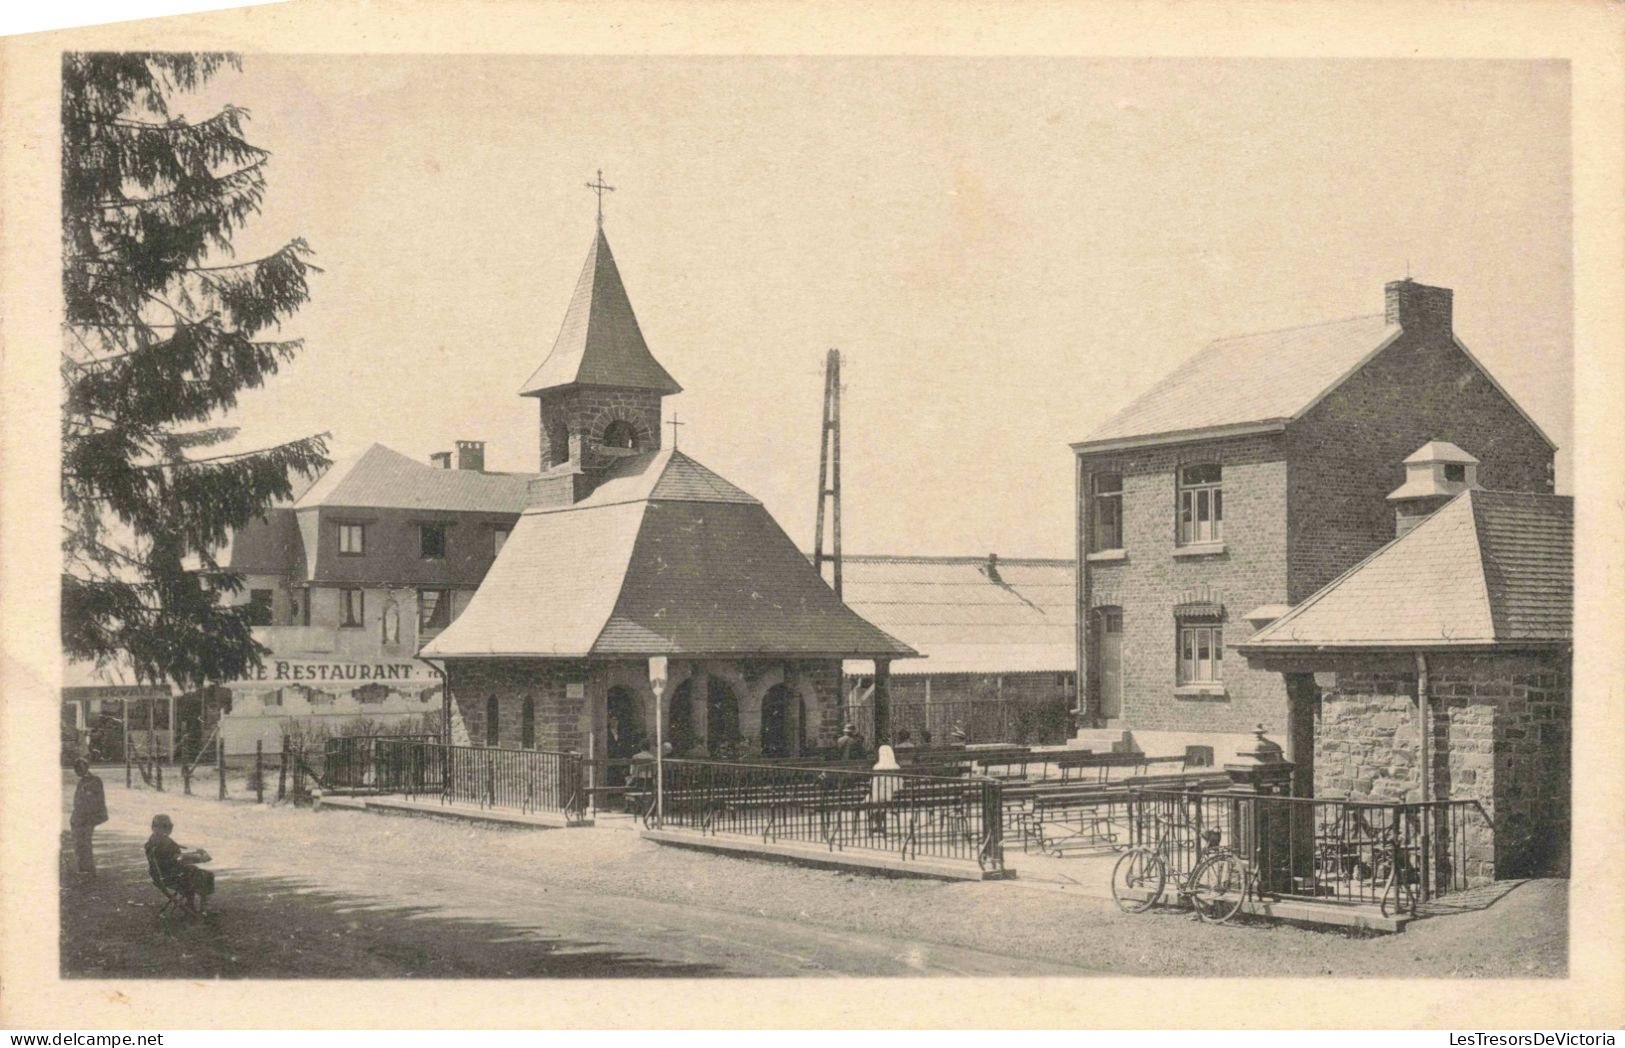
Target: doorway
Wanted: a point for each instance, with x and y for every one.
(1109, 661)
(777, 737)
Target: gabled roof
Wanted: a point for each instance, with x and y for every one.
(600, 343)
(1489, 568)
(664, 558)
(1440, 451)
(1269, 377)
(1019, 618)
(384, 479)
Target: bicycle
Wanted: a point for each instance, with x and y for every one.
(1216, 887)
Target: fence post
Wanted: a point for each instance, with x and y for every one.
(128, 778)
(282, 772)
(158, 771)
(220, 761)
(259, 771)
(186, 778)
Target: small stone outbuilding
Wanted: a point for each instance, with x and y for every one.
(1471, 608)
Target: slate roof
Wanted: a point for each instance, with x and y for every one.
(1488, 568)
(600, 343)
(961, 618)
(384, 479)
(664, 558)
(268, 546)
(1272, 376)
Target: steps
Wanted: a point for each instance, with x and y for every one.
(1103, 740)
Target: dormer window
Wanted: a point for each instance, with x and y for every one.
(620, 435)
(1201, 505)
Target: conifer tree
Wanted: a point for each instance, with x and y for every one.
(163, 328)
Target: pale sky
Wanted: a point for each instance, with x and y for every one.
(1007, 250)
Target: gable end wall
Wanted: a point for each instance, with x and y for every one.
(1347, 453)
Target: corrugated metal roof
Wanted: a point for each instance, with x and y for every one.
(386, 479)
(666, 558)
(1265, 377)
(600, 342)
(954, 612)
(1487, 568)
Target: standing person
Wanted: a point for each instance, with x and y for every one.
(89, 812)
(849, 747)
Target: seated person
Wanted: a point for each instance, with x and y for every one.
(177, 867)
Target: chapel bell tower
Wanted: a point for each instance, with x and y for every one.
(599, 390)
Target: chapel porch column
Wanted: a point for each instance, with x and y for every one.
(882, 702)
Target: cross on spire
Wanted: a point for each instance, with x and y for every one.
(674, 424)
(600, 188)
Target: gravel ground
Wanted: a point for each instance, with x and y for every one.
(485, 876)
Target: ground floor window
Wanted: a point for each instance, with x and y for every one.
(352, 608)
(1201, 654)
(434, 609)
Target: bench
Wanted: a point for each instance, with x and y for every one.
(1059, 817)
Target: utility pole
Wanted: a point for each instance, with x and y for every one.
(829, 469)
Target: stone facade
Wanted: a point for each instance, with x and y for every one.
(581, 414)
(1499, 734)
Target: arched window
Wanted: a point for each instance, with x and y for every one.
(527, 725)
(492, 708)
(621, 434)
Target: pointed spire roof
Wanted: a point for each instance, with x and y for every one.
(600, 343)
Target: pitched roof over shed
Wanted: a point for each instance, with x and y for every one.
(1489, 568)
(600, 343)
(663, 558)
(384, 479)
(1017, 618)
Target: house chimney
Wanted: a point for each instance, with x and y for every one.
(1417, 307)
(992, 568)
(1435, 473)
(440, 460)
(471, 455)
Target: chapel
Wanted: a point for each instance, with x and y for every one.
(628, 550)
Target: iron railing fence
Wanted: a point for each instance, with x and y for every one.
(910, 816)
(1395, 855)
(522, 780)
(367, 762)
(1019, 722)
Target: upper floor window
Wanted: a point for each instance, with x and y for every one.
(1201, 654)
(432, 540)
(259, 607)
(1108, 511)
(620, 434)
(499, 538)
(1201, 504)
(434, 609)
(352, 539)
(1455, 472)
(352, 608)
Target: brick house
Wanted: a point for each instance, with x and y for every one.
(1243, 482)
(1471, 609)
(627, 551)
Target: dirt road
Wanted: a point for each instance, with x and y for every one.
(356, 894)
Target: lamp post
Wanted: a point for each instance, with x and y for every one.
(657, 682)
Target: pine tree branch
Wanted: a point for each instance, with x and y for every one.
(220, 180)
(233, 456)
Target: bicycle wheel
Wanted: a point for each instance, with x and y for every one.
(1138, 880)
(1218, 887)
